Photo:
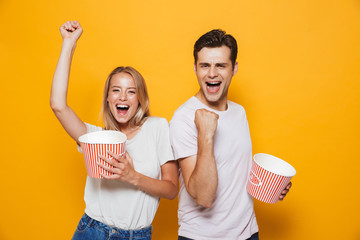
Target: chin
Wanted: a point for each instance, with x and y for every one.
(122, 121)
(212, 98)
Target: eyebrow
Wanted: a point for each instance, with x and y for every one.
(216, 64)
(120, 87)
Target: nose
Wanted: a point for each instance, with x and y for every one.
(213, 72)
(123, 96)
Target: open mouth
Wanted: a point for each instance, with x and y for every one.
(213, 87)
(122, 109)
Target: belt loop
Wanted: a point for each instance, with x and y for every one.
(90, 221)
(131, 234)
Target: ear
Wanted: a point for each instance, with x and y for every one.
(195, 68)
(235, 68)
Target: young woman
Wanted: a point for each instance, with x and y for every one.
(123, 205)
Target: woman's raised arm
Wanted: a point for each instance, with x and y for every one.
(70, 32)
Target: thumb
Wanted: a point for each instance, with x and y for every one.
(127, 156)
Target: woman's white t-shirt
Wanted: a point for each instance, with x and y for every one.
(122, 205)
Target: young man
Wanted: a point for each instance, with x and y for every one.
(211, 140)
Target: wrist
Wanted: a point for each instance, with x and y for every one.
(135, 179)
(69, 43)
(206, 136)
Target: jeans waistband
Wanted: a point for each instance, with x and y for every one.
(143, 232)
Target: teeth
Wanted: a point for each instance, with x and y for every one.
(213, 83)
(121, 106)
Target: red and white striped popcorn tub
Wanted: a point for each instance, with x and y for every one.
(268, 177)
(98, 143)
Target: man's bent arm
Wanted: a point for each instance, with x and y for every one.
(200, 171)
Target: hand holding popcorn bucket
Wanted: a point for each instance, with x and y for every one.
(98, 143)
(268, 177)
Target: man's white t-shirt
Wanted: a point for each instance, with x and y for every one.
(122, 205)
(232, 214)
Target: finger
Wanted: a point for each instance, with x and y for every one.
(75, 24)
(64, 27)
(67, 25)
(67, 28)
(108, 169)
(284, 192)
(112, 162)
(119, 158)
(114, 176)
(127, 156)
(113, 155)
(289, 186)
(72, 27)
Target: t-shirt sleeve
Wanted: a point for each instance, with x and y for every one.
(164, 150)
(89, 128)
(183, 137)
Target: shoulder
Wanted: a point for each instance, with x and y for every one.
(235, 107)
(182, 123)
(155, 125)
(156, 121)
(186, 112)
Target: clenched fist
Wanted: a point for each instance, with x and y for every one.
(206, 122)
(71, 30)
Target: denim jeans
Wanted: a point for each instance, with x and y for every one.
(90, 229)
(255, 236)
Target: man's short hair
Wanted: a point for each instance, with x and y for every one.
(216, 38)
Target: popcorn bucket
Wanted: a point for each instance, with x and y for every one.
(98, 143)
(268, 177)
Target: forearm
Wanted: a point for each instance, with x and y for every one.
(203, 182)
(160, 188)
(58, 97)
(59, 87)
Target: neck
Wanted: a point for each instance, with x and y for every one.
(126, 128)
(129, 130)
(219, 105)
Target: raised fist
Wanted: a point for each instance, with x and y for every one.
(71, 30)
(206, 122)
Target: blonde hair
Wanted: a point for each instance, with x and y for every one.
(142, 111)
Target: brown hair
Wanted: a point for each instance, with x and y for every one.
(216, 38)
(142, 111)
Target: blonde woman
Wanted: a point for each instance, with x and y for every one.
(121, 206)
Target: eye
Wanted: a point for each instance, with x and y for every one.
(204, 65)
(132, 92)
(116, 90)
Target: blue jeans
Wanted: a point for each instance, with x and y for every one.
(255, 236)
(90, 229)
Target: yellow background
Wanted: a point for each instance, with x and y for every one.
(298, 80)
